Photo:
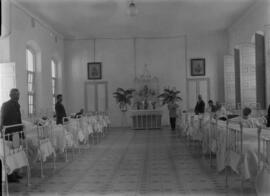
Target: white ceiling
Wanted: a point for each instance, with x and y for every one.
(156, 18)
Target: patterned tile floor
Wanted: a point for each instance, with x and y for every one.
(128, 162)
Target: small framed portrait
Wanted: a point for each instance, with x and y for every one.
(197, 67)
(94, 71)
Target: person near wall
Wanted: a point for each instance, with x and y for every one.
(268, 117)
(200, 106)
(248, 121)
(60, 110)
(211, 107)
(172, 107)
(80, 113)
(221, 112)
(11, 115)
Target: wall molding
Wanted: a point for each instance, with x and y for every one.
(125, 38)
(243, 15)
(41, 22)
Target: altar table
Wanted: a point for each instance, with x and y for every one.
(146, 119)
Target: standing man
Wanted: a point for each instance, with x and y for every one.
(268, 117)
(211, 106)
(10, 112)
(11, 115)
(200, 106)
(172, 106)
(59, 110)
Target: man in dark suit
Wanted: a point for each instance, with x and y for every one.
(172, 106)
(11, 115)
(200, 106)
(10, 111)
(60, 110)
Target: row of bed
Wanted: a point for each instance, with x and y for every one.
(245, 151)
(41, 141)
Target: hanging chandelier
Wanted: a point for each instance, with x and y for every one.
(132, 9)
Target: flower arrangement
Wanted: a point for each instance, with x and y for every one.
(169, 95)
(146, 92)
(145, 98)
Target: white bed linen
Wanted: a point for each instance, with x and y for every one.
(14, 160)
(37, 152)
(262, 181)
(193, 129)
(247, 164)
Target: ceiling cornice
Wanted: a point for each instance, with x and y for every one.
(37, 19)
(220, 31)
(242, 15)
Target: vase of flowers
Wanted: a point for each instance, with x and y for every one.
(145, 104)
(123, 98)
(138, 105)
(153, 105)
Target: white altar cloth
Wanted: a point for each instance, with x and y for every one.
(146, 119)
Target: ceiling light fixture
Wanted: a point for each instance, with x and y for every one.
(132, 9)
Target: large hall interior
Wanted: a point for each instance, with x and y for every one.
(135, 97)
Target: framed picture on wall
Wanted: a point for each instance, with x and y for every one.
(197, 67)
(94, 71)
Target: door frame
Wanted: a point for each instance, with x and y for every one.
(197, 80)
(95, 84)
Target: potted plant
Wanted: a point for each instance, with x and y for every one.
(123, 98)
(169, 95)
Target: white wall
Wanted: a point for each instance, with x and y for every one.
(256, 18)
(5, 50)
(23, 34)
(165, 59)
(76, 55)
(124, 58)
(118, 69)
(212, 47)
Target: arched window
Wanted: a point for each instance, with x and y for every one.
(31, 73)
(54, 80)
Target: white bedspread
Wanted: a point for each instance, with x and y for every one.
(14, 160)
(193, 129)
(246, 164)
(36, 150)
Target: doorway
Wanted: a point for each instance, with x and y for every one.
(194, 88)
(96, 96)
